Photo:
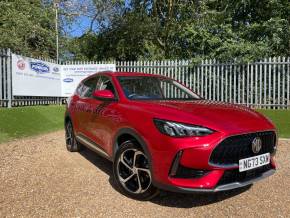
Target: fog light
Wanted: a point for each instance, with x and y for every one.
(175, 164)
(179, 171)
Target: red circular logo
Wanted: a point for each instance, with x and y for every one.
(21, 64)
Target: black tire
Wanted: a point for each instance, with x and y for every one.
(72, 144)
(139, 185)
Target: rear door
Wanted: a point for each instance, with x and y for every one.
(83, 105)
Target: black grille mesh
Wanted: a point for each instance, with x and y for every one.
(234, 148)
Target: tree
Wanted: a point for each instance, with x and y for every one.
(175, 29)
(27, 27)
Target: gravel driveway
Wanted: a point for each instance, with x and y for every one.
(39, 178)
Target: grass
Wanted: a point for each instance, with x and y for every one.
(281, 118)
(27, 121)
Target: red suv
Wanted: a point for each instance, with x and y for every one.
(161, 135)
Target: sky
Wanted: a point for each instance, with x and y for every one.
(79, 27)
(82, 23)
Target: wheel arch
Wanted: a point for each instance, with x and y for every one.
(128, 133)
(133, 134)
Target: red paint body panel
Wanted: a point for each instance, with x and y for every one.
(102, 120)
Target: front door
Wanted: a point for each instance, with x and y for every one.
(101, 123)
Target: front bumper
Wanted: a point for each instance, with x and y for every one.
(196, 154)
(218, 188)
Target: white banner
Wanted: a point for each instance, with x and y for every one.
(72, 75)
(32, 77)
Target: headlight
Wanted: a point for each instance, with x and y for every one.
(180, 130)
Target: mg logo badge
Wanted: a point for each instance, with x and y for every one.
(256, 145)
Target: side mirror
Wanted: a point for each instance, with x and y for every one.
(104, 94)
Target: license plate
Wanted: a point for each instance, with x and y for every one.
(254, 162)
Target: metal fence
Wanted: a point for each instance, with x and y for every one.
(262, 84)
(5, 78)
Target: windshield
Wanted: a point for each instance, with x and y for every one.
(154, 88)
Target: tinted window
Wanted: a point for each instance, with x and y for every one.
(79, 89)
(104, 83)
(89, 87)
(144, 87)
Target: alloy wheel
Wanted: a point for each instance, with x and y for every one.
(69, 134)
(70, 139)
(133, 171)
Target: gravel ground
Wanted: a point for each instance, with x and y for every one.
(39, 178)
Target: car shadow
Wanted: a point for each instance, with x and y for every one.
(180, 200)
(168, 199)
(100, 162)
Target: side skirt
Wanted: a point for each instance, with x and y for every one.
(91, 145)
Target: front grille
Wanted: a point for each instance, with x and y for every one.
(231, 176)
(234, 148)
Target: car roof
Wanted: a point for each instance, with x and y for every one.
(118, 73)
